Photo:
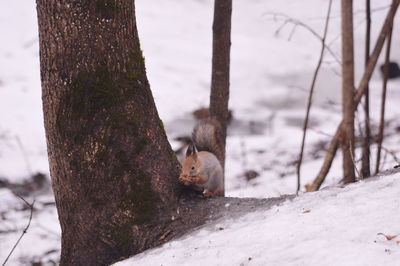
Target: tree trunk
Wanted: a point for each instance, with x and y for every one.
(347, 134)
(220, 68)
(366, 151)
(112, 168)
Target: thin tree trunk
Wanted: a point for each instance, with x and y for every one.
(309, 102)
(383, 100)
(358, 95)
(347, 134)
(220, 68)
(366, 152)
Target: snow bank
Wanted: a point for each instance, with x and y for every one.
(336, 226)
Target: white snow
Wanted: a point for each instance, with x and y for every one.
(270, 76)
(337, 226)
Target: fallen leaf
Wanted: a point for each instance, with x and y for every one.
(306, 211)
(388, 237)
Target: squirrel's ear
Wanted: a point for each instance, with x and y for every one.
(192, 150)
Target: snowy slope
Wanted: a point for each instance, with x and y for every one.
(336, 226)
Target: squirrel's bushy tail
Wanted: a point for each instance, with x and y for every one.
(207, 137)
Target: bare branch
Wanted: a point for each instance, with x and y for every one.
(330, 155)
(289, 20)
(383, 100)
(305, 125)
(354, 163)
(392, 153)
(25, 229)
(359, 93)
(356, 12)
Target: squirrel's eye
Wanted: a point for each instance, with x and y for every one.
(192, 167)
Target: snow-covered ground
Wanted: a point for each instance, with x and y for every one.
(270, 75)
(336, 226)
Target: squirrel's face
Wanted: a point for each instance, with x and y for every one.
(190, 167)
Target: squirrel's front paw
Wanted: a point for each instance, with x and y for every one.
(185, 180)
(199, 180)
(208, 194)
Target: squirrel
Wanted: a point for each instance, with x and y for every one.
(201, 168)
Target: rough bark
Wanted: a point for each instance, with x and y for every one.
(220, 68)
(366, 152)
(347, 134)
(359, 93)
(112, 168)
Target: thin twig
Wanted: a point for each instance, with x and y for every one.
(338, 36)
(289, 20)
(358, 94)
(355, 13)
(292, 32)
(24, 155)
(383, 100)
(384, 159)
(392, 153)
(305, 125)
(320, 132)
(354, 163)
(25, 229)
